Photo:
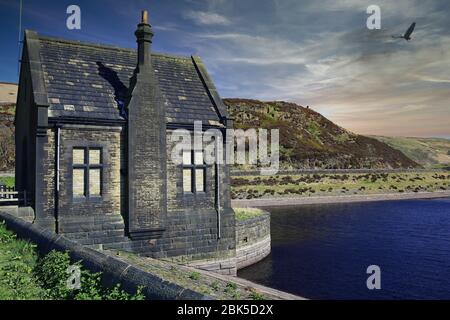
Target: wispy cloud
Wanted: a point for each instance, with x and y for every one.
(206, 18)
(316, 53)
(363, 79)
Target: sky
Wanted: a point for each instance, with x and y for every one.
(318, 53)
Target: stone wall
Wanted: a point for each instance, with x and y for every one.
(191, 228)
(252, 245)
(108, 140)
(90, 220)
(190, 232)
(252, 240)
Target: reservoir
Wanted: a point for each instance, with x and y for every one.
(323, 251)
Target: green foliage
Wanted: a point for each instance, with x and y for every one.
(52, 273)
(255, 295)
(8, 181)
(17, 259)
(194, 275)
(231, 289)
(215, 285)
(314, 130)
(91, 288)
(118, 294)
(231, 286)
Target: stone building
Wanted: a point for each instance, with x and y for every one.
(93, 150)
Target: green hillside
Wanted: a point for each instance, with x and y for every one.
(429, 152)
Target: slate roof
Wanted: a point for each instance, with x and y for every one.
(90, 81)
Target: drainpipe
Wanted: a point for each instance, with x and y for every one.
(218, 190)
(57, 153)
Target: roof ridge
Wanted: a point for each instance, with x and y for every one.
(106, 46)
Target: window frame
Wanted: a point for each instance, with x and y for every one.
(193, 167)
(86, 167)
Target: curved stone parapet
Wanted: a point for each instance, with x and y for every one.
(252, 245)
(252, 240)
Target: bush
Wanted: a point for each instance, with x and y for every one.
(52, 274)
(194, 275)
(17, 260)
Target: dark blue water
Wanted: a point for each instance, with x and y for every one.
(323, 251)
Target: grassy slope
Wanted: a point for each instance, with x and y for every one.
(17, 260)
(429, 152)
(309, 140)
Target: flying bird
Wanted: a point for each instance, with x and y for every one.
(407, 35)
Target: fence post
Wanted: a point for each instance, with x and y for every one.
(2, 189)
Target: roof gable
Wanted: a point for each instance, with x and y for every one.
(91, 81)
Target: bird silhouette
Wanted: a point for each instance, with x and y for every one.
(407, 35)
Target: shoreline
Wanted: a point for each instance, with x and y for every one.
(291, 201)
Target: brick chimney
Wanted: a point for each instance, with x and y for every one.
(146, 137)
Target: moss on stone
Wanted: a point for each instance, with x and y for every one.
(247, 213)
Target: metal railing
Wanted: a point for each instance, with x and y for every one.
(9, 196)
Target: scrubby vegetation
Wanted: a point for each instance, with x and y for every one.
(25, 276)
(52, 274)
(309, 140)
(250, 187)
(186, 277)
(18, 259)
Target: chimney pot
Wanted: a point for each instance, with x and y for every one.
(144, 35)
(144, 17)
